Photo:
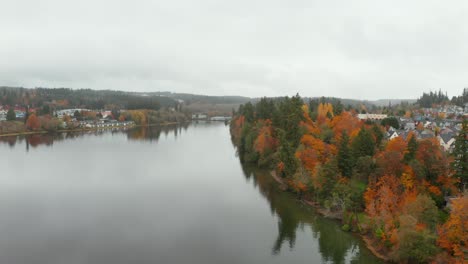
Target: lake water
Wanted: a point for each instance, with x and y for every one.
(154, 195)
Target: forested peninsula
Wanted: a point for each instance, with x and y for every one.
(404, 195)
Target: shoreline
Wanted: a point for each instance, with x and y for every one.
(26, 133)
(368, 241)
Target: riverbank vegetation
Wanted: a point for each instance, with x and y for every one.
(391, 191)
(34, 123)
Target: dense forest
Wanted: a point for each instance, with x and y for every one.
(430, 99)
(461, 100)
(427, 100)
(393, 192)
(82, 98)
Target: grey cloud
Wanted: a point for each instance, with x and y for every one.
(354, 49)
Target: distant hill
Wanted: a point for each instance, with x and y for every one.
(60, 98)
(100, 99)
(204, 99)
(385, 102)
(212, 105)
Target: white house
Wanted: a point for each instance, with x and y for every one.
(371, 116)
(447, 141)
(199, 116)
(393, 135)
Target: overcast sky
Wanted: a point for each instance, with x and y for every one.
(351, 49)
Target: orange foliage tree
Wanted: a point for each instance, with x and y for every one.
(390, 160)
(265, 141)
(66, 118)
(325, 111)
(453, 235)
(383, 201)
(432, 158)
(314, 151)
(33, 122)
(238, 125)
(345, 122)
(309, 126)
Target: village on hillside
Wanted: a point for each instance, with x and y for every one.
(442, 122)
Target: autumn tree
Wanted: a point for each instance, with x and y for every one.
(383, 206)
(325, 111)
(49, 123)
(390, 160)
(432, 158)
(423, 209)
(66, 118)
(453, 235)
(266, 143)
(345, 122)
(33, 122)
(139, 117)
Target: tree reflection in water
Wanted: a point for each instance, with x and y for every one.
(153, 133)
(334, 245)
(149, 133)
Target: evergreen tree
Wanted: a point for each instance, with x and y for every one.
(390, 121)
(378, 134)
(363, 144)
(288, 118)
(77, 115)
(337, 107)
(26, 116)
(286, 155)
(11, 115)
(344, 156)
(248, 112)
(411, 149)
(460, 163)
(45, 110)
(264, 108)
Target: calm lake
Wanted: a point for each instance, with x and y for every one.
(154, 195)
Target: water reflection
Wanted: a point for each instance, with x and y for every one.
(135, 201)
(151, 133)
(334, 245)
